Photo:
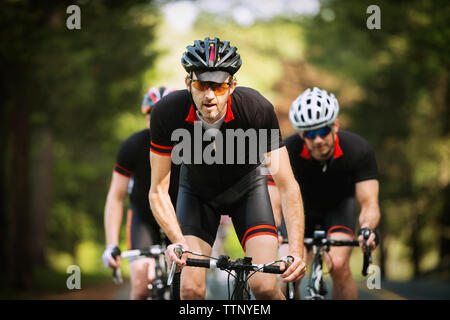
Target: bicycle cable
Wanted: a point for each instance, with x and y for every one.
(264, 265)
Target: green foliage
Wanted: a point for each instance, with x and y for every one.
(402, 71)
(74, 85)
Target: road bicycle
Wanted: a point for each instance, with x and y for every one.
(158, 289)
(241, 270)
(320, 243)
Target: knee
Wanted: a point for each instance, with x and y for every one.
(340, 268)
(190, 291)
(139, 293)
(264, 290)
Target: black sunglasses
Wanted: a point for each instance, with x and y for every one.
(321, 132)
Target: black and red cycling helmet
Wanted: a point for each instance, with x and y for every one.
(211, 60)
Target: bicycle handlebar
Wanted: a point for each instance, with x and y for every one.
(224, 263)
(153, 252)
(339, 243)
(330, 242)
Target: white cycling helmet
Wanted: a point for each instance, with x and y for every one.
(313, 109)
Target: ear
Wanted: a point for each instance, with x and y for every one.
(187, 81)
(336, 125)
(233, 85)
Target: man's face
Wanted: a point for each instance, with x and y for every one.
(320, 143)
(207, 96)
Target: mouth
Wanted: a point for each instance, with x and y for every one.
(209, 106)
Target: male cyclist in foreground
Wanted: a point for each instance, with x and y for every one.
(219, 174)
(333, 168)
(142, 230)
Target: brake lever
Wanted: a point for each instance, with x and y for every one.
(178, 251)
(116, 273)
(367, 253)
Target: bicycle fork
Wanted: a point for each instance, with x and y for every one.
(316, 286)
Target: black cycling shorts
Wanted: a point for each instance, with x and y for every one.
(247, 203)
(342, 218)
(141, 234)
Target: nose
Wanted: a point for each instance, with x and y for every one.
(209, 94)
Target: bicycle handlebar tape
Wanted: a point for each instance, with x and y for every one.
(272, 269)
(204, 263)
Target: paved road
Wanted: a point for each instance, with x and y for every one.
(417, 289)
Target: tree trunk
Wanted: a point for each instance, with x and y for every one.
(444, 252)
(41, 195)
(20, 195)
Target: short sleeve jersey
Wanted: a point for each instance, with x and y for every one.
(218, 159)
(133, 161)
(353, 161)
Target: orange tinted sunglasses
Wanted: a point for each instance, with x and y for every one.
(218, 88)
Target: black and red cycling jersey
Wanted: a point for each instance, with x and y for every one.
(325, 187)
(235, 186)
(328, 188)
(133, 161)
(247, 111)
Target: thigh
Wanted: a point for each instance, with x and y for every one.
(253, 216)
(342, 218)
(196, 217)
(141, 233)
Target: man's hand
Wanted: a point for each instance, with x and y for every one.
(171, 255)
(108, 259)
(295, 271)
(371, 241)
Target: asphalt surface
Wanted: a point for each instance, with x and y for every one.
(419, 289)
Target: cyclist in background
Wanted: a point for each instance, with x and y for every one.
(333, 168)
(132, 171)
(210, 107)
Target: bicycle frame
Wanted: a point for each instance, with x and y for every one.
(316, 287)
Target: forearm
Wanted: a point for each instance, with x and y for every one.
(292, 207)
(369, 216)
(113, 220)
(165, 216)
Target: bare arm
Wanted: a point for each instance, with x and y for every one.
(276, 204)
(367, 196)
(114, 207)
(159, 198)
(292, 206)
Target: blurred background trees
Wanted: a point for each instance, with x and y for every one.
(69, 97)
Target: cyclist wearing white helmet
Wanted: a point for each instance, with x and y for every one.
(332, 167)
(132, 171)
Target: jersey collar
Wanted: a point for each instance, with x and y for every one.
(191, 118)
(337, 150)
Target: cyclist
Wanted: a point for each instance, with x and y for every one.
(132, 169)
(333, 168)
(206, 112)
